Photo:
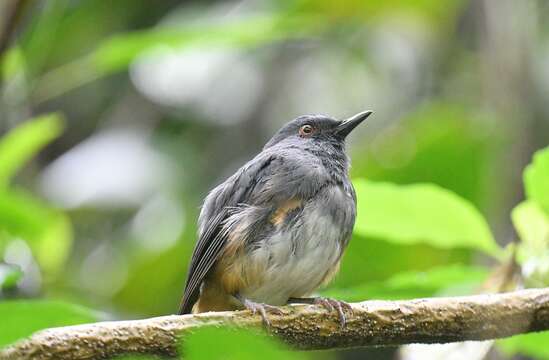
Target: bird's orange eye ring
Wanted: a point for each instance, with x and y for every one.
(306, 130)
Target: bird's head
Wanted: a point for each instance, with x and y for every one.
(317, 129)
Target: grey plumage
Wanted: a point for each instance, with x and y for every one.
(290, 212)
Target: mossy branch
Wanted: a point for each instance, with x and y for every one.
(432, 320)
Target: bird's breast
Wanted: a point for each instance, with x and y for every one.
(304, 246)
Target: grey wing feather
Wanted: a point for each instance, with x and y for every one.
(233, 192)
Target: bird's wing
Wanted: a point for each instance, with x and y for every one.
(217, 205)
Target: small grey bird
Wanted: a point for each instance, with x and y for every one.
(275, 231)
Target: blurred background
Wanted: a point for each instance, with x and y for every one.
(146, 105)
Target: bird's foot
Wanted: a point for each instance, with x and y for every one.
(262, 309)
(338, 305)
(328, 304)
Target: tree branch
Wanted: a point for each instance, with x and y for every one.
(13, 15)
(433, 320)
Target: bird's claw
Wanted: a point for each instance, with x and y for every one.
(262, 309)
(338, 305)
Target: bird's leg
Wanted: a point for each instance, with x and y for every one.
(262, 308)
(328, 304)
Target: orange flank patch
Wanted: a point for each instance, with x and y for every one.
(280, 214)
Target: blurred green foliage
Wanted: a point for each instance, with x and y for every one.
(440, 142)
(420, 213)
(47, 230)
(118, 53)
(438, 281)
(531, 219)
(9, 276)
(534, 345)
(21, 318)
(228, 345)
(535, 179)
(532, 225)
(430, 175)
(22, 143)
(402, 230)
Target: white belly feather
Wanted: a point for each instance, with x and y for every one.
(293, 263)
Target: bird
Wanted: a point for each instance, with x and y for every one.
(275, 231)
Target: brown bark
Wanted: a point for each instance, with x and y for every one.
(13, 15)
(433, 320)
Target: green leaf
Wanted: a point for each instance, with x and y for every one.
(436, 12)
(421, 213)
(23, 142)
(47, 230)
(237, 344)
(42, 32)
(21, 318)
(309, 17)
(118, 52)
(534, 345)
(369, 259)
(445, 280)
(9, 276)
(138, 357)
(536, 179)
(532, 225)
(12, 63)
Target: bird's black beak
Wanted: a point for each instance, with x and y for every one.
(346, 126)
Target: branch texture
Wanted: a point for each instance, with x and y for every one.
(433, 320)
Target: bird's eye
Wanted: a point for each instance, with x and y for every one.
(305, 130)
